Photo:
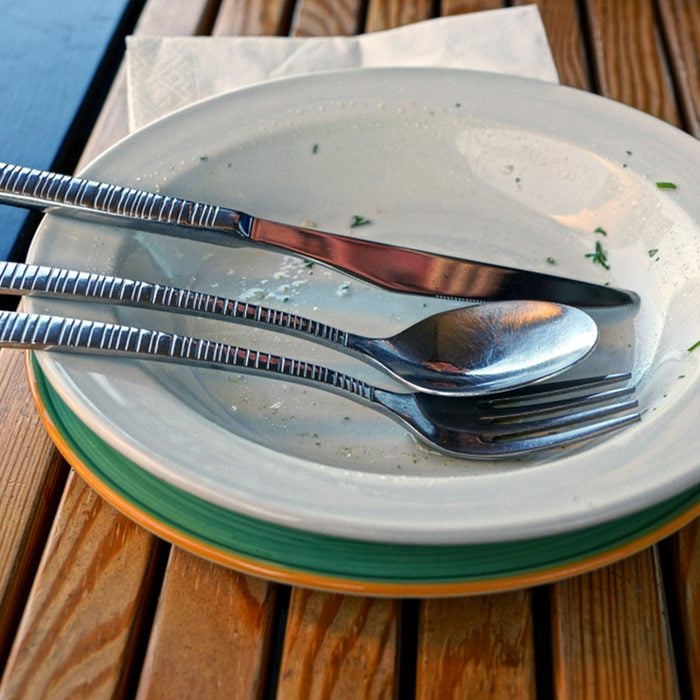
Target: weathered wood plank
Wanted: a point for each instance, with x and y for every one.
(210, 635)
(629, 60)
(387, 14)
(681, 24)
(85, 607)
(480, 647)
(458, 7)
(563, 26)
(252, 18)
(327, 18)
(31, 478)
(610, 633)
(339, 646)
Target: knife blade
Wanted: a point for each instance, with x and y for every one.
(396, 268)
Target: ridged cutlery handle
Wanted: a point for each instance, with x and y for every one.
(20, 278)
(44, 332)
(42, 189)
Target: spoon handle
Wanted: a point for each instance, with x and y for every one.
(44, 332)
(20, 279)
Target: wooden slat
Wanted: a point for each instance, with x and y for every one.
(610, 634)
(252, 18)
(479, 647)
(386, 14)
(629, 60)
(681, 22)
(339, 647)
(562, 23)
(458, 7)
(685, 550)
(327, 17)
(85, 606)
(31, 477)
(210, 635)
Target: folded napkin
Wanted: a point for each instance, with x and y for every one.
(167, 73)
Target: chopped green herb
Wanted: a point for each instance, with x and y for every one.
(694, 346)
(551, 261)
(599, 256)
(358, 220)
(314, 149)
(666, 185)
(309, 263)
(203, 157)
(652, 252)
(600, 230)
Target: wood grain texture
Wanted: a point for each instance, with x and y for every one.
(252, 17)
(685, 551)
(480, 647)
(387, 14)
(628, 56)
(610, 634)
(31, 477)
(681, 22)
(562, 24)
(210, 635)
(327, 17)
(459, 7)
(83, 613)
(339, 647)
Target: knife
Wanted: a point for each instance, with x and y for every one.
(392, 267)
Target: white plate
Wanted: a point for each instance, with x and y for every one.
(485, 166)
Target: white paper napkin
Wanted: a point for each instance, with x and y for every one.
(165, 74)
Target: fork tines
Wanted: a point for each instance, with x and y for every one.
(576, 413)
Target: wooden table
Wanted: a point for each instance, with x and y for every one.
(92, 605)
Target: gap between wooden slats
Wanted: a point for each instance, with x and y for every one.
(680, 556)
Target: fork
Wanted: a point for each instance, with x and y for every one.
(513, 424)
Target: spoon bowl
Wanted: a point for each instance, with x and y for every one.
(484, 348)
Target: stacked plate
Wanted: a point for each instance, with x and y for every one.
(301, 486)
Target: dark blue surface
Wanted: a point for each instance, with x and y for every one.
(50, 52)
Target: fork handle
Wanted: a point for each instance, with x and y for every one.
(21, 278)
(44, 332)
(41, 189)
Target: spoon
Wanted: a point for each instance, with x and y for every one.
(461, 352)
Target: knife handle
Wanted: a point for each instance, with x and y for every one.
(44, 190)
